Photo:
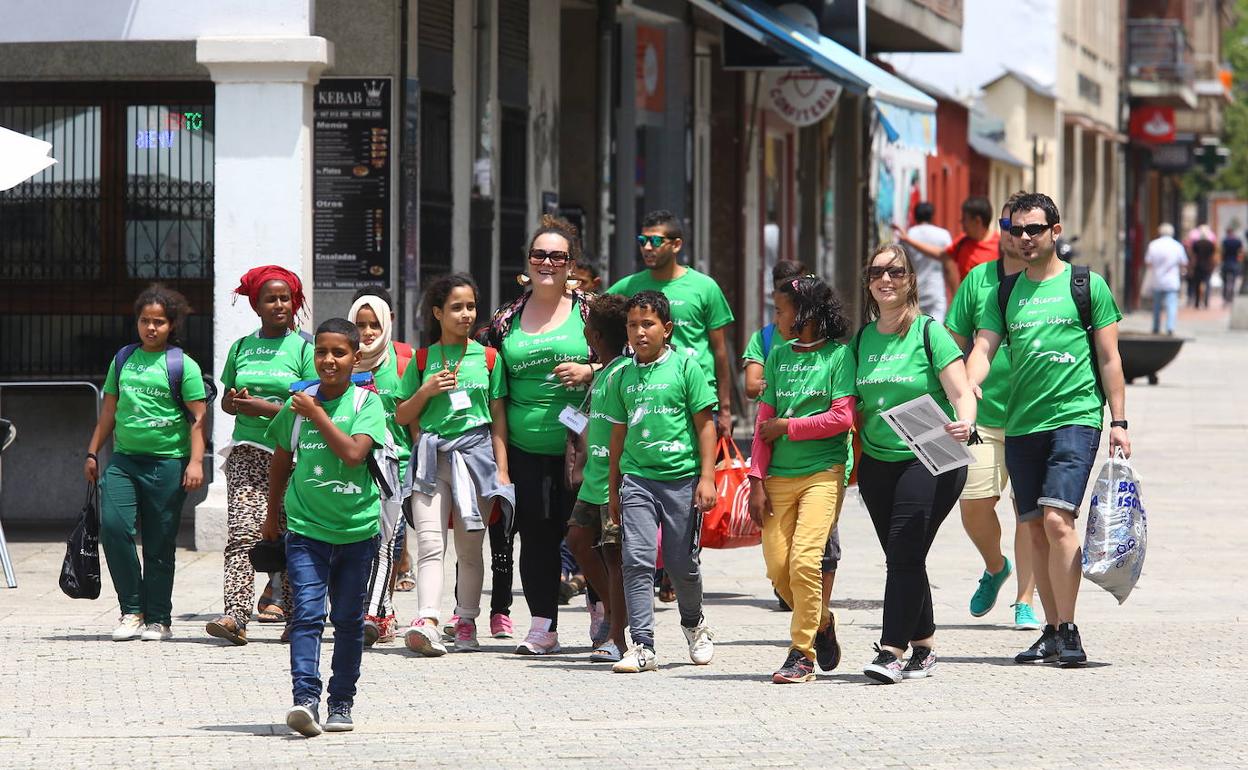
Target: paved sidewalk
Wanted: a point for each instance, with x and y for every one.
(1160, 691)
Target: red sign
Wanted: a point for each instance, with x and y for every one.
(650, 75)
(1154, 125)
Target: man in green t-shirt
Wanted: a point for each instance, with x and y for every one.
(987, 477)
(332, 509)
(662, 456)
(699, 309)
(1060, 374)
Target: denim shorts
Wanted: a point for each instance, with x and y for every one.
(1051, 468)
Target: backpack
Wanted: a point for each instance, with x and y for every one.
(402, 356)
(175, 365)
(927, 340)
(1080, 292)
(768, 334)
(383, 461)
(422, 359)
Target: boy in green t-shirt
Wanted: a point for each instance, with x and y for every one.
(332, 509)
(661, 405)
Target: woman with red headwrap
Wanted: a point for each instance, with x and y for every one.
(258, 372)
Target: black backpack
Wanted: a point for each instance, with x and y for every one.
(927, 339)
(1080, 292)
(174, 363)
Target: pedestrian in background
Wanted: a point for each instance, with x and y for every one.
(158, 456)
(1166, 260)
(1203, 244)
(1232, 250)
(930, 271)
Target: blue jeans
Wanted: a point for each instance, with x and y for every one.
(1169, 298)
(1051, 468)
(319, 571)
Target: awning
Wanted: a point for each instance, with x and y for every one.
(907, 113)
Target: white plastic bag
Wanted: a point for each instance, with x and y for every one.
(1117, 529)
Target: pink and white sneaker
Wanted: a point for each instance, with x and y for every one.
(423, 638)
(466, 635)
(448, 628)
(540, 640)
(501, 626)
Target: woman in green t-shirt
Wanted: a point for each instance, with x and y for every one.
(158, 456)
(541, 339)
(259, 369)
(902, 355)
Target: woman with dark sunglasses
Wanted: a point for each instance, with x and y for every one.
(541, 337)
(902, 355)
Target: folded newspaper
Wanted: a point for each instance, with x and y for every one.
(921, 424)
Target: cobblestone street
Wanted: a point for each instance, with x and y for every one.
(1160, 690)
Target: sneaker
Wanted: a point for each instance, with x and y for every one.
(1025, 618)
(781, 604)
(985, 597)
(539, 643)
(130, 628)
(156, 632)
(422, 637)
(1070, 646)
(606, 652)
(339, 720)
(797, 668)
(225, 627)
(827, 648)
(638, 658)
(305, 719)
(379, 630)
(501, 626)
(448, 629)
(599, 627)
(1043, 651)
(701, 643)
(922, 661)
(466, 635)
(885, 669)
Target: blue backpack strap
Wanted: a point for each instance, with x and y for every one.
(120, 359)
(769, 333)
(308, 338)
(175, 363)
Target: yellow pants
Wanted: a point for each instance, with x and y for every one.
(804, 511)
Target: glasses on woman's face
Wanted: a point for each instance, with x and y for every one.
(896, 272)
(555, 258)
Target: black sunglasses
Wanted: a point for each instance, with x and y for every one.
(555, 258)
(876, 273)
(1031, 230)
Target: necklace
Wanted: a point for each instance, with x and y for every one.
(819, 341)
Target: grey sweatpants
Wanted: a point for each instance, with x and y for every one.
(644, 505)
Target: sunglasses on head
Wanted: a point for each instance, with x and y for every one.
(895, 272)
(655, 241)
(1031, 230)
(555, 258)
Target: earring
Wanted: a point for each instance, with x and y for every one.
(523, 279)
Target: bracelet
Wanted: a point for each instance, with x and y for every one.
(91, 456)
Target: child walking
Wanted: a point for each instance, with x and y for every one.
(662, 473)
(454, 396)
(332, 510)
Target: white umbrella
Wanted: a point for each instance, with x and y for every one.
(21, 157)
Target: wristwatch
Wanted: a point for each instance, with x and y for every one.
(1118, 424)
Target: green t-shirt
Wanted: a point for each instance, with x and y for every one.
(597, 473)
(148, 421)
(481, 385)
(327, 499)
(266, 367)
(535, 395)
(754, 349)
(978, 290)
(802, 384)
(892, 370)
(657, 401)
(698, 306)
(1052, 380)
(389, 387)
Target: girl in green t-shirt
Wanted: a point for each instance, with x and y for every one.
(158, 456)
(902, 355)
(452, 397)
(259, 369)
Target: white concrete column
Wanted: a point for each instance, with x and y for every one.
(1073, 214)
(262, 198)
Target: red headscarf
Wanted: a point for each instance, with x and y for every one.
(254, 279)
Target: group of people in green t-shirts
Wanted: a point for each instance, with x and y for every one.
(594, 417)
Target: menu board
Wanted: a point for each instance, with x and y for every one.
(351, 183)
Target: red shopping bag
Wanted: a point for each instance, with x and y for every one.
(728, 524)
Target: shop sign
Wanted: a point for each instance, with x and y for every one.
(801, 97)
(1152, 125)
(650, 73)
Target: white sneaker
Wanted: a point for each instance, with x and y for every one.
(130, 628)
(539, 643)
(638, 658)
(425, 639)
(606, 652)
(701, 643)
(156, 632)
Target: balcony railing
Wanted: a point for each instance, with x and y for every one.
(1157, 50)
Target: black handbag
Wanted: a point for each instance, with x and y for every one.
(80, 572)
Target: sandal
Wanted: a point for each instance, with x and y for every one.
(269, 612)
(225, 628)
(667, 592)
(405, 582)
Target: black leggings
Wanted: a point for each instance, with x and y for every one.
(907, 506)
(543, 505)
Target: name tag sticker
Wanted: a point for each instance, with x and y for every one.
(460, 400)
(574, 420)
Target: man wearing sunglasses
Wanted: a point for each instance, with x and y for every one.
(1060, 378)
(699, 309)
(976, 245)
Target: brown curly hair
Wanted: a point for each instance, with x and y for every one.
(561, 227)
